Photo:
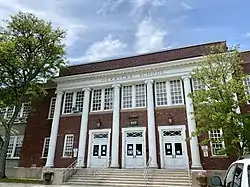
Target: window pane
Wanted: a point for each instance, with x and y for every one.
(79, 100)
(10, 111)
(230, 176)
(2, 112)
(11, 147)
(103, 150)
(130, 150)
(19, 143)
(26, 109)
(45, 147)
(96, 150)
(161, 93)
(197, 85)
(178, 148)
(138, 149)
(68, 150)
(168, 149)
(97, 100)
(216, 142)
(52, 107)
(108, 99)
(68, 102)
(238, 175)
(140, 94)
(127, 96)
(176, 92)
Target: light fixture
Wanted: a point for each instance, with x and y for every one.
(134, 120)
(99, 123)
(170, 119)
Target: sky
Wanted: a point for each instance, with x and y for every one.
(106, 29)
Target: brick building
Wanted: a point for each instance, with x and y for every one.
(128, 109)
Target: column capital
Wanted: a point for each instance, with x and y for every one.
(150, 81)
(86, 89)
(186, 77)
(116, 86)
(59, 92)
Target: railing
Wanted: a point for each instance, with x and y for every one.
(145, 173)
(70, 170)
(105, 165)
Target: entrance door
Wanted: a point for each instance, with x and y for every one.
(134, 149)
(174, 155)
(99, 150)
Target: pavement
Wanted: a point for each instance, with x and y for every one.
(33, 185)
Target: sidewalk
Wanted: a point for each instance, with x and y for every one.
(32, 185)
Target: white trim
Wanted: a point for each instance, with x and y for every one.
(133, 96)
(168, 90)
(64, 145)
(102, 99)
(183, 131)
(90, 142)
(51, 99)
(123, 142)
(44, 142)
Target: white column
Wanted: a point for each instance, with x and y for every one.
(115, 127)
(83, 130)
(54, 130)
(194, 146)
(151, 124)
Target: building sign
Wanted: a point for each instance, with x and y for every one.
(125, 77)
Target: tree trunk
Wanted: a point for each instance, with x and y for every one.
(3, 154)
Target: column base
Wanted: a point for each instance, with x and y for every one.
(155, 166)
(196, 167)
(49, 165)
(114, 166)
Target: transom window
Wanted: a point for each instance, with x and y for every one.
(45, 147)
(134, 134)
(73, 102)
(52, 107)
(134, 96)
(102, 99)
(15, 146)
(101, 136)
(68, 145)
(168, 93)
(216, 142)
(172, 133)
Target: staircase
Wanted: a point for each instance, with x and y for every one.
(130, 177)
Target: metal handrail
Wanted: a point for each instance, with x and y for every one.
(70, 170)
(105, 165)
(145, 172)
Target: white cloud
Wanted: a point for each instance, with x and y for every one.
(247, 35)
(186, 5)
(149, 37)
(48, 10)
(108, 47)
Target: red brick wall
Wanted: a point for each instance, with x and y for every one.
(38, 127)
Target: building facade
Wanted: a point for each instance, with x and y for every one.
(130, 111)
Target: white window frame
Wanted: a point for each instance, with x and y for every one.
(73, 101)
(134, 97)
(50, 107)
(102, 99)
(64, 145)
(168, 91)
(14, 147)
(211, 144)
(44, 144)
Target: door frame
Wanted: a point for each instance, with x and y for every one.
(183, 133)
(124, 130)
(91, 132)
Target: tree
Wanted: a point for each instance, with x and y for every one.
(31, 51)
(220, 96)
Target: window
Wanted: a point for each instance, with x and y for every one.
(140, 95)
(234, 176)
(25, 110)
(68, 145)
(52, 107)
(68, 102)
(15, 146)
(102, 99)
(108, 101)
(216, 142)
(161, 93)
(197, 85)
(73, 102)
(168, 93)
(10, 112)
(45, 147)
(176, 92)
(134, 96)
(247, 84)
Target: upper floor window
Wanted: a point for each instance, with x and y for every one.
(45, 147)
(15, 146)
(134, 96)
(52, 107)
(216, 142)
(197, 85)
(73, 102)
(22, 114)
(68, 145)
(102, 99)
(168, 93)
(247, 84)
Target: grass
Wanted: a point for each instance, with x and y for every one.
(29, 181)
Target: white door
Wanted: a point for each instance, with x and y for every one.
(134, 149)
(99, 150)
(174, 154)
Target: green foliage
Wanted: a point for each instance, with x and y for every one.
(31, 51)
(221, 96)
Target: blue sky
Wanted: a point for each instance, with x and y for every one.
(105, 29)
